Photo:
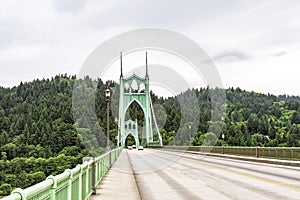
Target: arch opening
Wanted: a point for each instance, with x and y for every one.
(126, 88)
(142, 88)
(130, 140)
(134, 86)
(135, 113)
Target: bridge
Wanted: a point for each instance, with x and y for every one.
(168, 173)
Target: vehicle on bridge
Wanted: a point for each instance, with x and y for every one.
(140, 148)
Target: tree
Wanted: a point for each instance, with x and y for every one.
(258, 139)
(10, 149)
(3, 137)
(3, 156)
(5, 189)
(210, 139)
(252, 123)
(165, 136)
(295, 118)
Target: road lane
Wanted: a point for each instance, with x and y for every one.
(165, 175)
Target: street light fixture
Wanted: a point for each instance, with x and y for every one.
(189, 136)
(223, 137)
(107, 94)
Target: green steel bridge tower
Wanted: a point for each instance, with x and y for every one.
(136, 89)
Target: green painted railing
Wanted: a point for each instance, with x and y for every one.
(284, 153)
(78, 183)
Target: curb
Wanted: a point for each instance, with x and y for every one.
(251, 159)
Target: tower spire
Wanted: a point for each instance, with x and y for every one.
(121, 76)
(147, 76)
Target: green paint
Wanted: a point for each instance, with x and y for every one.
(135, 89)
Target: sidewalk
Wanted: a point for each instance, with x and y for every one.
(119, 183)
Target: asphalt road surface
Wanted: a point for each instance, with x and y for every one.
(162, 174)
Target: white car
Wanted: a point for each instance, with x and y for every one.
(141, 148)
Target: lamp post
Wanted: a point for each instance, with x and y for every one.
(107, 95)
(223, 135)
(189, 127)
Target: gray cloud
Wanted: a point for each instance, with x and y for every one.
(281, 53)
(165, 13)
(235, 54)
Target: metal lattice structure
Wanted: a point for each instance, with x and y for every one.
(136, 89)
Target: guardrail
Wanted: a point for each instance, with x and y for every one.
(283, 153)
(78, 183)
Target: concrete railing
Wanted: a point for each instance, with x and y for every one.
(78, 183)
(284, 153)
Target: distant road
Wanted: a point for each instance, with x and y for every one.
(169, 175)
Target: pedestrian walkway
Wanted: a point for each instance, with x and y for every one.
(119, 183)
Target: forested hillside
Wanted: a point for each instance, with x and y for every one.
(251, 119)
(38, 135)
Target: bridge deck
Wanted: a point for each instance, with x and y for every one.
(161, 174)
(119, 182)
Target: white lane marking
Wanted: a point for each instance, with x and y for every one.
(201, 182)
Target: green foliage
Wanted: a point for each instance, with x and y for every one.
(295, 118)
(5, 189)
(37, 133)
(251, 119)
(129, 140)
(210, 139)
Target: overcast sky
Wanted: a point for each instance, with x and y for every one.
(255, 45)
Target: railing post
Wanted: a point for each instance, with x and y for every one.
(93, 184)
(53, 188)
(20, 192)
(257, 152)
(69, 184)
(108, 163)
(100, 170)
(109, 158)
(112, 157)
(94, 175)
(87, 181)
(80, 182)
